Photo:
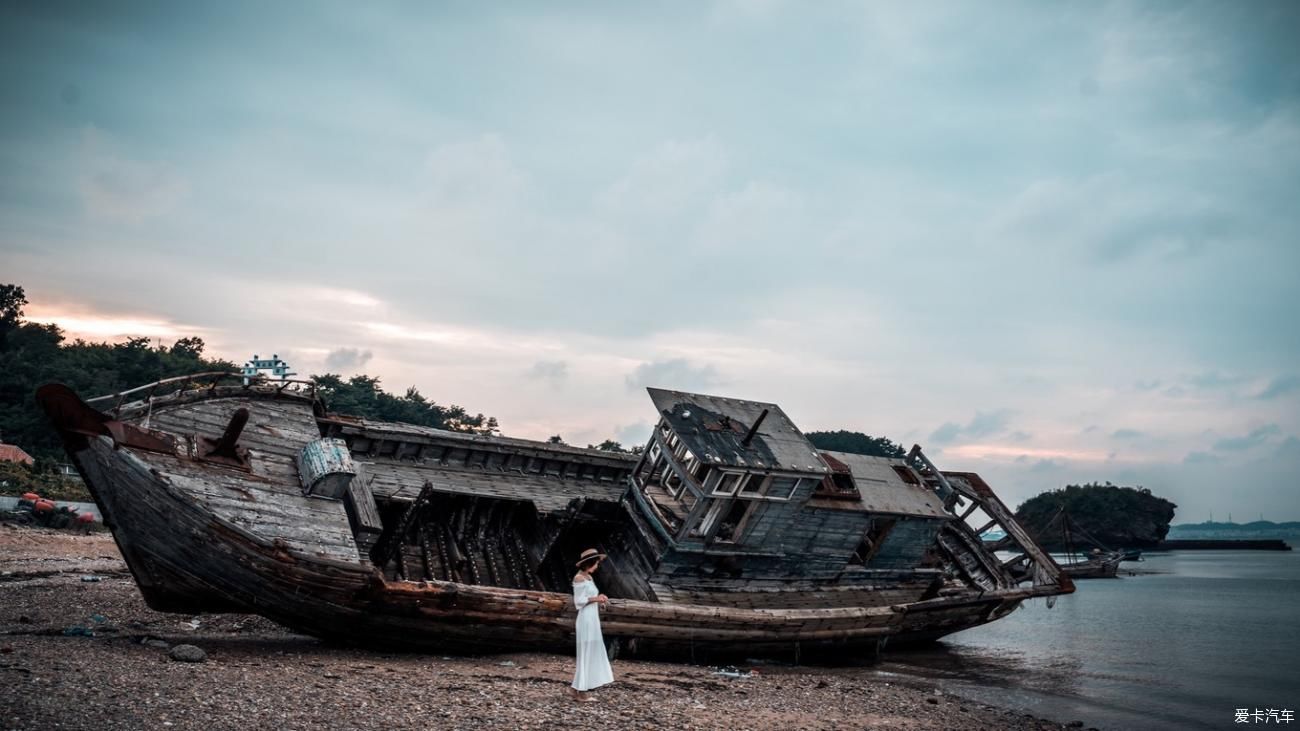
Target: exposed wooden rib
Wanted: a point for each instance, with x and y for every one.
(390, 541)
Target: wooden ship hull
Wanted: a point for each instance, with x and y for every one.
(254, 498)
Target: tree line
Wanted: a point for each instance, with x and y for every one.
(33, 354)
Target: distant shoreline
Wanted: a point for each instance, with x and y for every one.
(1236, 544)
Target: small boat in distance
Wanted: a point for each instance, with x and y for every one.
(730, 533)
(1099, 565)
(1100, 562)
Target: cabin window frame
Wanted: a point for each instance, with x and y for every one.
(704, 527)
(794, 487)
(763, 481)
(689, 462)
(709, 479)
(717, 490)
(658, 468)
(738, 534)
(671, 476)
(680, 451)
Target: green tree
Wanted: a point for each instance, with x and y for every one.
(363, 396)
(1115, 515)
(12, 301)
(855, 442)
(609, 445)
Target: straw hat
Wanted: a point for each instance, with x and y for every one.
(587, 555)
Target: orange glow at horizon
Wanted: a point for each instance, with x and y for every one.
(88, 324)
(1012, 452)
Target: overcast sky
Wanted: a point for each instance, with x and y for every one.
(1050, 242)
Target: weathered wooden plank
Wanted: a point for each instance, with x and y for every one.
(271, 427)
(403, 481)
(231, 488)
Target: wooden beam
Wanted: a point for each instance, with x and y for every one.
(390, 541)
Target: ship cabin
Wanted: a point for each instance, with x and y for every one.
(735, 491)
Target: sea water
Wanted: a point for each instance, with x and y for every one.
(1188, 643)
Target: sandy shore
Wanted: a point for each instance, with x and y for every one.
(80, 650)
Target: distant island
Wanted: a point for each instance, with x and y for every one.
(1254, 530)
(1100, 515)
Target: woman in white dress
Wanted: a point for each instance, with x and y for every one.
(593, 664)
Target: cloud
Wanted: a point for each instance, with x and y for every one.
(1280, 386)
(984, 423)
(678, 374)
(676, 176)
(1127, 220)
(695, 196)
(1020, 436)
(1214, 380)
(946, 432)
(1047, 465)
(750, 11)
(633, 434)
(115, 186)
(1201, 458)
(1289, 449)
(1255, 438)
(347, 359)
(474, 171)
(755, 222)
(1126, 434)
(81, 322)
(554, 372)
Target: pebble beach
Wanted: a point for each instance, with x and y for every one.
(80, 650)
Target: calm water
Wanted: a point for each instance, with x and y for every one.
(1213, 631)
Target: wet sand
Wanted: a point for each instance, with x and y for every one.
(88, 654)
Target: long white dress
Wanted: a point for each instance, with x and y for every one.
(593, 664)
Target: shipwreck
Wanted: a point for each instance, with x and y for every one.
(729, 533)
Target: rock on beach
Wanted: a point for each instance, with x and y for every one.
(187, 653)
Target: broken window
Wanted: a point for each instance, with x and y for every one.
(728, 484)
(690, 462)
(707, 478)
(907, 474)
(783, 487)
(755, 485)
(837, 485)
(877, 531)
(673, 484)
(701, 529)
(657, 468)
(732, 525)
